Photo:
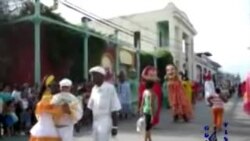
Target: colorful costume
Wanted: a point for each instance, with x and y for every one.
(246, 98)
(65, 123)
(188, 89)
(150, 71)
(44, 129)
(165, 95)
(180, 105)
(134, 90)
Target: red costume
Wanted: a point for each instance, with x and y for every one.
(149, 71)
(246, 98)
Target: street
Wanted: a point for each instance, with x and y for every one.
(238, 130)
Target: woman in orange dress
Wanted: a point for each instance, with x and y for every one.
(44, 129)
(180, 105)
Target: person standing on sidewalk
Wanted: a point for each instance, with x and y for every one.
(105, 104)
(216, 101)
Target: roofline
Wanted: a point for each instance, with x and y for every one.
(176, 10)
(136, 14)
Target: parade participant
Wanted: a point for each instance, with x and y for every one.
(246, 96)
(71, 107)
(180, 105)
(134, 89)
(148, 73)
(187, 87)
(44, 129)
(165, 94)
(216, 101)
(124, 92)
(105, 104)
(209, 86)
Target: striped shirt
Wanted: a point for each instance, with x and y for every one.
(217, 101)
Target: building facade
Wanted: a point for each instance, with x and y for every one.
(168, 28)
(203, 65)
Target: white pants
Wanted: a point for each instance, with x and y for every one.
(102, 128)
(66, 133)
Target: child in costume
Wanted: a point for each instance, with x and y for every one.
(180, 105)
(151, 72)
(44, 129)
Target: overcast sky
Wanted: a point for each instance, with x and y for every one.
(223, 25)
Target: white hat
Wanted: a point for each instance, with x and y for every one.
(98, 69)
(65, 83)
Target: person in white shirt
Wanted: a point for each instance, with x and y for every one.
(105, 104)
(72, 110)
(209, 87)
(16, 94)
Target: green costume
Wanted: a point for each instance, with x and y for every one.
(134, 90)
(165, 95)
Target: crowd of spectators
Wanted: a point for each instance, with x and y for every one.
(18, 102)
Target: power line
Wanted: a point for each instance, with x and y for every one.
(115, 25)
(105, 22)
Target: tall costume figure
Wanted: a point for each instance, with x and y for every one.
(152, 72)
(180, 105)
(72, 110)
(44, 129)
(246, 98)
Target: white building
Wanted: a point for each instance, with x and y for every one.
(204, 64)
(168, 28)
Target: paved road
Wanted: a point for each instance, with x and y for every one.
(239, 125)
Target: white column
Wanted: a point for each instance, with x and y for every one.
(172, 43)
(192, 59)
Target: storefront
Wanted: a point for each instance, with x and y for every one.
(127, 60)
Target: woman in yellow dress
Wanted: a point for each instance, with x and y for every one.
(44, 129)
(187, 87)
